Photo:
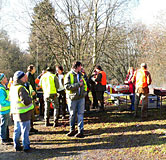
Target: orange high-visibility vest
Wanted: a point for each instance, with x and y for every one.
(37, 80)
(141, 79)
(104, 79)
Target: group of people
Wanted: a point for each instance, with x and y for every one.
(61, 91)
(138, 82)
(69, 90)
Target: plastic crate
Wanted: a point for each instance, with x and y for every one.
(153, 101)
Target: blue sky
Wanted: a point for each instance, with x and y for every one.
(15, 19)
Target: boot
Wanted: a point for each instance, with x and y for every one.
(80, 134)
(55, 123)
(71, 133)
(33, 130)
(47, 123)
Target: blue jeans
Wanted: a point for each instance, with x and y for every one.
(76, 106)
(4, 119)
(21, 128)
(132, 98)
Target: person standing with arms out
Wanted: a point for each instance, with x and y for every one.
(131, 86)
(61, 91)
(49, 83)
(4, 110)
(101, 81)
(31, 79)
(21, 108)
(76, 89)
(142, 78)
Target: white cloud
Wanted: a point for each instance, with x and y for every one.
(148, 9)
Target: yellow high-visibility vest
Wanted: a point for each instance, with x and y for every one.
(72, 82)
(48, 84)
(16, 104)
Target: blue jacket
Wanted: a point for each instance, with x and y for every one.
(3, 101)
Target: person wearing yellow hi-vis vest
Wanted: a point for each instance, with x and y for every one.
(76, 90)
(49, 83)
(21, 108)
(4, 110)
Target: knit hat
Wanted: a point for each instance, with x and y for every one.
(2, 75)
(18, 75)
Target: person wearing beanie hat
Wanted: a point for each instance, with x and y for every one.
(4, 110)
(18, 75)
(21, 108)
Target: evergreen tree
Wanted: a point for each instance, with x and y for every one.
(45, 38)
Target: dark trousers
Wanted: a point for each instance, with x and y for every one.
(87, 102)
(95, 101)
(41, 103)
(62, 102)
(100, 98)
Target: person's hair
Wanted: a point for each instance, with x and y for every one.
(144, 65)
(60, 68)
(76, 64)
(99, 67)
(30, 67)
(51, 69)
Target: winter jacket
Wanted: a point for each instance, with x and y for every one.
(25, 99)
(31, 80)
(4, 102)
(73, 90)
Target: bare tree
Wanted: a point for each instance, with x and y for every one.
(82, 28)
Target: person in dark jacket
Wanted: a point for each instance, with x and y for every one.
(61, 91)
(40, 93)
(87, 100)
(101, 86)
(93, 89)
(31, 79)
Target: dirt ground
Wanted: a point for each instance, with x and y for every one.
(109, 135)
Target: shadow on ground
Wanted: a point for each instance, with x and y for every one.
(99, 139)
